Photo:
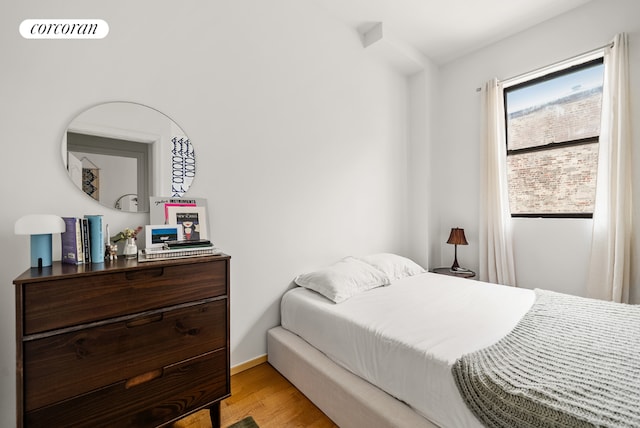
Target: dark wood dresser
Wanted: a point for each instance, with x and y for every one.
(122, 344)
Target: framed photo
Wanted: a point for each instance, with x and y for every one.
(192, 219)
(157, 235)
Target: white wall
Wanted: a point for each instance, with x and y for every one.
(300, 137)
(422, 94)
(308, 148)
(549, 253)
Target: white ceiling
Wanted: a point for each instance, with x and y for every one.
(447, 29)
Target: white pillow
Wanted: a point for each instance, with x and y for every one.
(393, 265)
(343, 279)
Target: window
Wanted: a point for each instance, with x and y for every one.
(552, 128)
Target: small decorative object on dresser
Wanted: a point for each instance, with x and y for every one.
(129, 236)
(111, 252)
(123, 343)
(130, 249)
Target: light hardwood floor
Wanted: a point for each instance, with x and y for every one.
(264, 394)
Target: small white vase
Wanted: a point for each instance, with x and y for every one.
(130, 249)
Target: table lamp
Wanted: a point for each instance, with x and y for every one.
(456, 237)
(40, 227)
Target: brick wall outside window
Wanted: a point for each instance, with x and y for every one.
(559, 180)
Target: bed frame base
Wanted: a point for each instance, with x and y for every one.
(344, 397)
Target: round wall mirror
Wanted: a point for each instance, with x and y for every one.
(121, 153)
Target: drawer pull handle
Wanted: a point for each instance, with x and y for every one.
(144, 321)
(143, 378)
(144, 274)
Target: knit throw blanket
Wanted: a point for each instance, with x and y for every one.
(570, 362)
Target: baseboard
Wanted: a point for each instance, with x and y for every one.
(248, 364)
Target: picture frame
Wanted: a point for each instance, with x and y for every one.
(157, 235)
(176, 204)
(158, 213)
(192, 219)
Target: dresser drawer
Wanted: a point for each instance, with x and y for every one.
(177, 389)
(71, 301)
(67, 364)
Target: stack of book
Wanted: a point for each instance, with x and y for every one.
(179, 249)
(83, 240)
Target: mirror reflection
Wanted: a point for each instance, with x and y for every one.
(120, 153)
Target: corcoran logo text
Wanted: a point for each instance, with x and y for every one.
(64, 29)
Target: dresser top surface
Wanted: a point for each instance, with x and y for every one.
(59, 269)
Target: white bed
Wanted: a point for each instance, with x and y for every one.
(383, 357)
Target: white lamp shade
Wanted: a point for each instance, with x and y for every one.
(39, 224)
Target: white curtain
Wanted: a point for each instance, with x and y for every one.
(610, 247)
(496, 249)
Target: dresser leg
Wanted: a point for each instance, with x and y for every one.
(214, 414)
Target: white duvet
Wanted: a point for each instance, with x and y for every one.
(405, 337)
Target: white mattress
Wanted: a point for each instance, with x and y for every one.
(405, 337)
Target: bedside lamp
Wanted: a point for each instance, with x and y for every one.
(456, 237)
(40, 227)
